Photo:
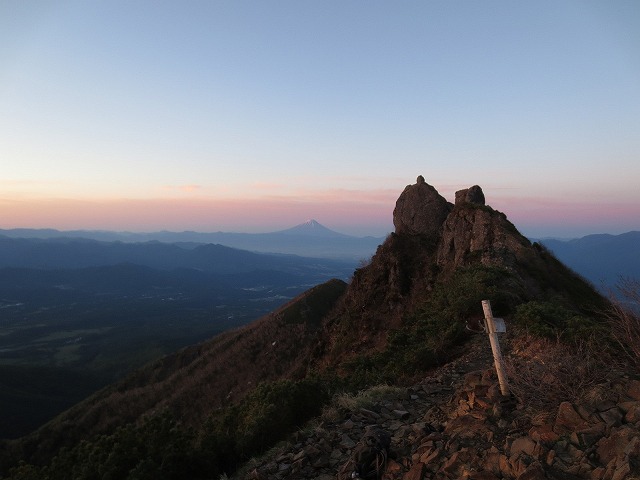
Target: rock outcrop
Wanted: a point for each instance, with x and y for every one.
(473, 232)
(473, 195)
(433, 240)
(465, 232)
(420, 210)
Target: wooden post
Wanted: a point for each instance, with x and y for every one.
(495, 347)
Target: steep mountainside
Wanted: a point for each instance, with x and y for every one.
(402, 315)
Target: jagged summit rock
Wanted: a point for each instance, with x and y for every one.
(463, 232)
(472, 195)
(420, 210)
(474, 231)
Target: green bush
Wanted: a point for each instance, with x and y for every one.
(426, 336)
(275, 409)
(558, 279)
(159, 448)
(552, 319)
(460, 297)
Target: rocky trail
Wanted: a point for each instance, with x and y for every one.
(457, 425)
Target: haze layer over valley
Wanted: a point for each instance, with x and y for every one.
(78, 314)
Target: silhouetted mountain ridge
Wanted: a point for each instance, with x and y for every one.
(309, 239)
(603, 259)
(66, 252)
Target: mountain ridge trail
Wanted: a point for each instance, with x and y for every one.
(456, 424)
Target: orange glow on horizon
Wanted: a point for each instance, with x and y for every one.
(190, 214)
(342, 210)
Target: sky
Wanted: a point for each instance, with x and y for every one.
(255, 116)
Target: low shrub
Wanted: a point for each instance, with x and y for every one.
(162, 448)
(551, 319)
(269, 413)
(158, 448)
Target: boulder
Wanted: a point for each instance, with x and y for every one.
(544, 434)
(524, 445)
(613, 446)
(532, 472)
(631, 411)
(471, 234)
(588, 437)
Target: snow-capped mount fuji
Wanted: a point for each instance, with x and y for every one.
(312, 239)
(312, 228)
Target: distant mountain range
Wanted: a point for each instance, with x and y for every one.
(309, 239)
(602, 259)
(72, 253)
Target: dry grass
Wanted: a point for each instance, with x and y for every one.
(544, 373)
(363, 399)
(624, 319)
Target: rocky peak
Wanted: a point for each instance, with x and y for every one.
(473, 231)
(465, 232)
(473, 195)
(420, 210)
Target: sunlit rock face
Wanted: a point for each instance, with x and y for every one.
(474, 231)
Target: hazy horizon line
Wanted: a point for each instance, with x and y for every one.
(249, 231)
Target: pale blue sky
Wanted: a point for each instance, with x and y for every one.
(255, 116)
